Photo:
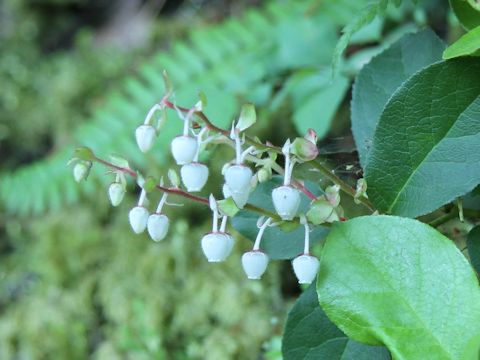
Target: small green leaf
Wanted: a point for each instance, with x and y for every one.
(84, 153)
(247, 118)
(466, 12)
(310, 335)
(473, 245)
(425, 149)
(150, 184)
(398, 282)
(468, 44)
(228, 207)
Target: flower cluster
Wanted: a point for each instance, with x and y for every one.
(240, 181)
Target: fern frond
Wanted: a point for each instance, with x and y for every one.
(364, 17)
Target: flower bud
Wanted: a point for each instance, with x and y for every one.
(145, 135)
(116, 192)
(157, 226)
(254, 264)
(305, 268)
(311, 136)
(320, 211)
(81, 170)
(286, 200)
(237, 178)
(184, 149)
(194, 176)
(217, 246)
(138, 217)
(264, 174)
(304, 150)
(332, 194)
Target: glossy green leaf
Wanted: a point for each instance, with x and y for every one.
(379, 79)
(310, 335)
(426, 149)
(468, 15)
(398, 282)
(468, 44)
(473, 245)
(277, 243)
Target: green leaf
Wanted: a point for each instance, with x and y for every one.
(379, 79)
(275, 242)
(84, 153)
(466, 13)
(473, 245)
(247, 118)
(150, 184)
(310, 335)
(318, 107)
(426, 149)
(398, 282)
(468, 44)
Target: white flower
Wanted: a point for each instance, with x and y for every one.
(238, 177)
(194, 176)
(138, 217)
(217, 246)
(145, 135)
(116, 192)
(254, 264)
(157, 226)
(286, 200)
(81, 171)
(184, 149)
(305, 268)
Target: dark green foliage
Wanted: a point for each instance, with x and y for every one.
(307, 318)
(473, 244)
(421, 142)
(380, 78)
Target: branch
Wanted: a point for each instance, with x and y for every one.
(180, 192)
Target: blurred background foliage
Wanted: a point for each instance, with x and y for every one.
(75, 282)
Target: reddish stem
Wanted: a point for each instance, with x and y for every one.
(182, 193)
